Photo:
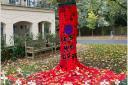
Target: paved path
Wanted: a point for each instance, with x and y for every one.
(102, 41)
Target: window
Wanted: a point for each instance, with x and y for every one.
(30, 3)
(14, 1)
(21, 27)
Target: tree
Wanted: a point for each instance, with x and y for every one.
(84, 7)
(115, 9)
(102, 23)
(91, 20)
(102, 12)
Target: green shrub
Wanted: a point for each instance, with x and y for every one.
(11, 70)
(16, 51)
(6, 54)
(12, 53)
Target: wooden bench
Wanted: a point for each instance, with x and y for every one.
(34, 46)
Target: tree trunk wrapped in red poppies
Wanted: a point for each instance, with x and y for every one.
(68, 21)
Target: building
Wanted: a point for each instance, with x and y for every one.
(21, 17)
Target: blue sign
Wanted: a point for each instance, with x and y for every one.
(68, 29)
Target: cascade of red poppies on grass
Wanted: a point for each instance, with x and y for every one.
(70, 71)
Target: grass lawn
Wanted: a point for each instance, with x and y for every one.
(105, 56)
(101, 56)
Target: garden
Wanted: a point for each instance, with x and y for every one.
(100, 56)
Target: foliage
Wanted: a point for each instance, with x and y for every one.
(111, 12)
(52, 38)
(12, 53)
(40, 36)
(16, 51)
(5, 54)
(82, 12)
(102, 22)
(91, 20)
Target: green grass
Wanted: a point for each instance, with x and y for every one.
(105, 56)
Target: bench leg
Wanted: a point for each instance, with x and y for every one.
(52, 50)
(26, 54)
(55, 49)
(33, 55)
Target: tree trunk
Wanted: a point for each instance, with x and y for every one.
(68, 33)
(113, 28)
(92, 32)
(102, 31)
(79, 32)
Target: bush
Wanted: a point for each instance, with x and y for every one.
(106, 57)
(16, 51)
(12, 53)
(6, 54)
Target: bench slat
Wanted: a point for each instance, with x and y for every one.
(36, 46)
